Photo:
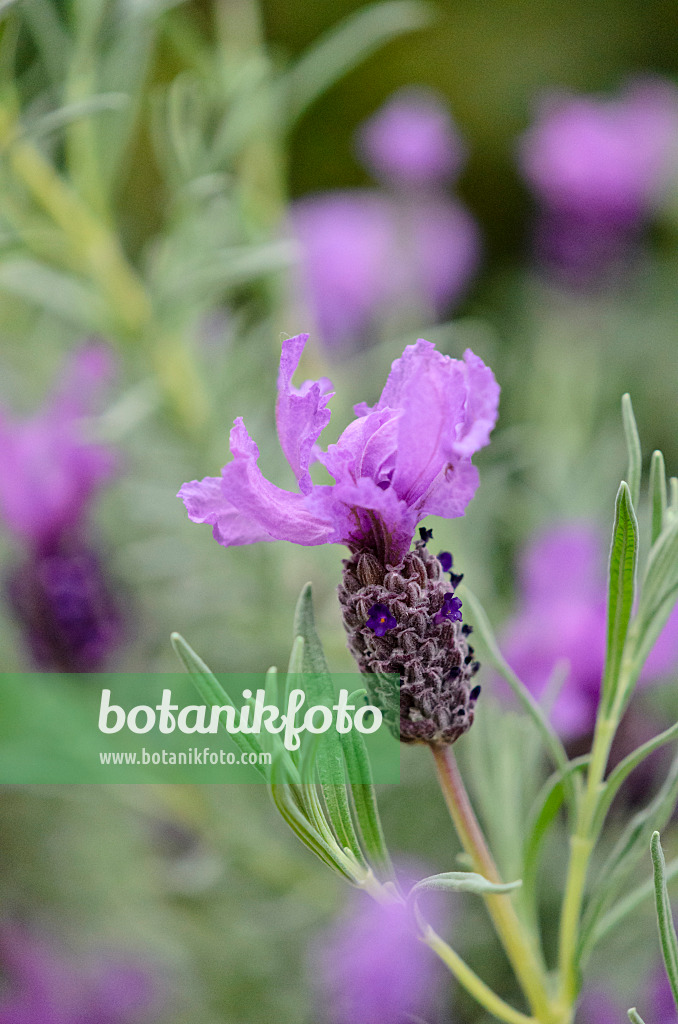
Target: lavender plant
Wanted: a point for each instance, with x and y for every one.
(405, 458)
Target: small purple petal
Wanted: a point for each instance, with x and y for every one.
(445, 559)
(380, 619)
(450, 611)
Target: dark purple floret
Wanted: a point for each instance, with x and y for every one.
(419, 672)
(445, 559)
(65, 606)
(455, 580)
(425, 534)
(451, 609)
(380, 620)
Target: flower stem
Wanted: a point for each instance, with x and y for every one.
(581, 847)
(481, 992)
(516, 943)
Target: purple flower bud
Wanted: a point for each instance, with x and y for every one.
(445, 559)
(380, 620)
(412, 142)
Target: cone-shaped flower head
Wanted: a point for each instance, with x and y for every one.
(400, 460)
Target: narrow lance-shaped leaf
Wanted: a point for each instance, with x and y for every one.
(320, 690)
(622, 571)
(657, 493)
(623, 859)
(659, 593)
(364, 797)
(212, 692)
(463, 881)
(633, 449)
(549, 736)
(635, 1017)
(346, 45)
(667, 932)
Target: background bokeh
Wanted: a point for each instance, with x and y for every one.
(185, 265)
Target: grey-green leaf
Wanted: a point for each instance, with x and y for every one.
(464, 881)
(667, 932)
(657, 493)
(329, 758)
(622, 573)
(212, 692)
(346, 45)
(633, 449)
(635, 1017)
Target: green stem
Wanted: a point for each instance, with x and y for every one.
(516, 943)
(474, 985)
(582, 843)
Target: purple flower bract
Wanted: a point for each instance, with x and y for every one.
(406, 457)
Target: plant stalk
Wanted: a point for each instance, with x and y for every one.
(516, 943)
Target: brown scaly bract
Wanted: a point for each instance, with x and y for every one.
(435, 700)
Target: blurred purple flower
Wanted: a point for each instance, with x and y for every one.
(49, 473)
(43, 986)
(366, 255)
(371, 968)
(411, 141)
(370, 256)
(599, 168)
(654, 1002)
(407, 457)
(561, 618)
(48, 469)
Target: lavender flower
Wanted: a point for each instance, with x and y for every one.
(372, 969)
(365, 256)
(412, 141)
(49, 474)
(46, 987)
(406, 457)
(599, 168)
(561, 618)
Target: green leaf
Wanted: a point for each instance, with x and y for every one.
(212, 692)
(364, 797)
(622, 572)
(657, 493)
(464, 881)
(633, 449)
(631, 902)
(667, 932)
(57, 119)
(616, 779)
(659, 593)
(624, 857)
(64, 294)
(320, 690)
(634, 1016)
(346, 45)
(550, 738)
(542, 815)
